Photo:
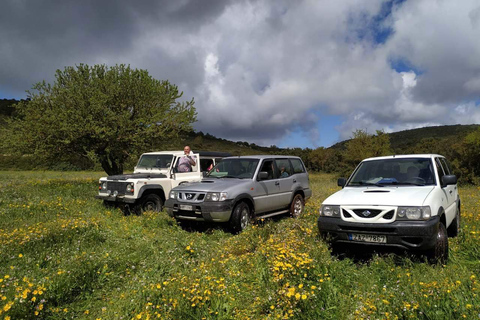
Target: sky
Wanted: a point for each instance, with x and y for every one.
(271, 72)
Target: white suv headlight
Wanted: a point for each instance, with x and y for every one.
(330, 211)
(216, 196)
(414, 213)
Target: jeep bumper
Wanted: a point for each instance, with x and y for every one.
(410, 235)
(116, 199)
(203, 211)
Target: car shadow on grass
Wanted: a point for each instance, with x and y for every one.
(365, 254)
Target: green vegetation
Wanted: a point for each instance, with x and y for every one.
(64, 255)
(98, 114)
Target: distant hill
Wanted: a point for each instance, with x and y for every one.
(404, 141)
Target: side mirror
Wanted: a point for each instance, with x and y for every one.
(262, 175)
(341, 182)
(449, 180)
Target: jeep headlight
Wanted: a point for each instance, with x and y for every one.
(330, 211)
(414, 213)
(216, 196)
(173, 194)
(130, 188)
(102, 186)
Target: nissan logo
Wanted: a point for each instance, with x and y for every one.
(366, 213)
(189, 196)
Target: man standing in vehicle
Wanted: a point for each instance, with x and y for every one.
(186, 162)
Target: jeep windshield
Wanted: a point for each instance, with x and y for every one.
(234, 168)
(395, 171)
(161, 161)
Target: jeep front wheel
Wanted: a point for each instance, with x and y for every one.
(439, 253)
(240, 218)
(151, 202)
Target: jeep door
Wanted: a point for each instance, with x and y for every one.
(179, 177)
(268, 196)
(285, 180)
(450, 191)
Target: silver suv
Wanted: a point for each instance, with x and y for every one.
(239, 189)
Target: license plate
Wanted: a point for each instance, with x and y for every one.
(367, 238)
(186, 207)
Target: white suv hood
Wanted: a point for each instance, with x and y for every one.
(382, 196)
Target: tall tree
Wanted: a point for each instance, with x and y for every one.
(364, 145)
(104, 113)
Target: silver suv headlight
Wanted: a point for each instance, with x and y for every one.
(173, 194)
(329, 211)
(414, 213)
(216, 196)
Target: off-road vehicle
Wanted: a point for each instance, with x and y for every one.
(154, 176)
(408, 202)
(239, 189)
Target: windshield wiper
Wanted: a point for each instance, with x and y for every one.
(227, 176)
(412, 183)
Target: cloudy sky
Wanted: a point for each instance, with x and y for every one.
(289, 73)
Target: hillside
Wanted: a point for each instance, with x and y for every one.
(404, 141)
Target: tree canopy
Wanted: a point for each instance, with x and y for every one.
(106, 114)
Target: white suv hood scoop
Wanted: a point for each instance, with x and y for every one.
(387, 196)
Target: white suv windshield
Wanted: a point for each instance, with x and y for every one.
(234, 168)
(162, 161)
(396, 171)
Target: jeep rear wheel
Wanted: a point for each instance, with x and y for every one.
(297, 205)
(454, 227)
(439, 253)
(151, 202)
(240, 218)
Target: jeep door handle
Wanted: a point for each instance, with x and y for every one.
(451, 191)
(277, 183)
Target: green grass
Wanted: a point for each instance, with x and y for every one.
(63, 255)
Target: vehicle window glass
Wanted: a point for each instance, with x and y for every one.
(205, 164)
(269, 168)
(446, 166)
(283, 165)
(162, 161)
(297, 166)
(440, 170)
(234, 168)
(397, 171)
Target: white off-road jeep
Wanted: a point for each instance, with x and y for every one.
(409, 202)
(154, 176)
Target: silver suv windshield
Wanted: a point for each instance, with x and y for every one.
(161, 161)
(234, 168)
(395, 171)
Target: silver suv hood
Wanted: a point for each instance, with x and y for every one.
(214, 185)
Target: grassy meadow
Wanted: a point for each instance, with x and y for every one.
(63, 255)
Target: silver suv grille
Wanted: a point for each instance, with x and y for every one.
(191, 196)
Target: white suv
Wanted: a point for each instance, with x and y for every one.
(153, 178)
(405, 201)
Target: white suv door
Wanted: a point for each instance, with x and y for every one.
(450, 191)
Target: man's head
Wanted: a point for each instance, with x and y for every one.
(186, 150)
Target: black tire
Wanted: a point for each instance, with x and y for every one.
(297, 206)
(439, 253)
(454, 227)
(151, 202)
(241, 217)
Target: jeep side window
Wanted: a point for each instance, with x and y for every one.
(446, 166)
(284, 166)
(269, 168)
(297, 166)
(441, 173)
